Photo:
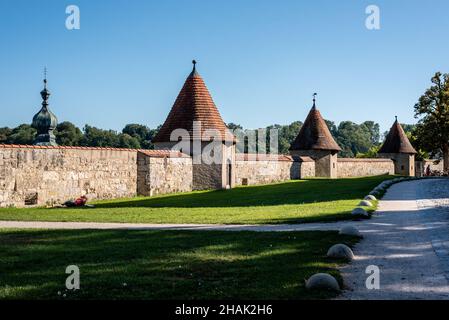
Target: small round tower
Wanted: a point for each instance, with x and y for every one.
(196, 115)
(315, 140)
(398, 148)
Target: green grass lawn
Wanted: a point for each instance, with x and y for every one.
(290, 202)
(165, 264)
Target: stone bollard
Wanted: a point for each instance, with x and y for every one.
(370, 197)
(365, 203)
(360, 212)
(340, 251)
(350, 231)
(322, 281)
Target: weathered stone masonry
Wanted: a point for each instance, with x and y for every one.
(421, 166)
(159, 175)
(364, 167)
(263, 169)
(31, 175)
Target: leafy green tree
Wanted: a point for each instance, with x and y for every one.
(4, 134)
(411, 130)
(247, 138)
(287, 135)
(432, 132)
(94, 137)
(353, 139)
(23, 134)
(142, 133)
(373, 130)
(332, 128)
(371, 153)
(127, 141)
(67, 134)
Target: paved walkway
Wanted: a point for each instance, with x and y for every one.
(409, 242)
(407, 238)
(147, 226)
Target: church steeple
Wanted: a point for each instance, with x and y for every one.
(45, 121)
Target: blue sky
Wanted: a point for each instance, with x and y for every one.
(261, 60)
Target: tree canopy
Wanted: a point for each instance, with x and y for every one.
(353, 138)
(67, 134)
(432, 131)
(143, 134)
(23, 134)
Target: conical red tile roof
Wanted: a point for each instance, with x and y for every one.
(396, 141)
(194, 103)
(314, 134)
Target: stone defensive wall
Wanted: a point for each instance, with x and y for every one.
(251, 169)
(38, 175)
(34, 175)
(421, 166)
(158, 172)
(360, 167)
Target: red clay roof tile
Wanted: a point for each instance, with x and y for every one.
(314, 134)
(194, 103)
(396, 141)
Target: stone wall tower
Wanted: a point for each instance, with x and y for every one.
(195, 116)
(316, 141)
(398, 148)
(45, 121)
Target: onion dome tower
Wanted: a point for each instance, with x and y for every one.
(315, 140)
(398, 148)
(45, 121)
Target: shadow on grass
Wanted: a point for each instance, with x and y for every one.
(334, 217)
(292, 192)
(164, 264)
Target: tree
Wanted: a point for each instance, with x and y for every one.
(354, 138)
(23, 134)
(142, 133)
(373, 131)
(332, 128)
(67, 134)
(247, 138)
(433, 127)
(4, 134)
(287, 135)
(371, 153)
(94, 137)
(127, 141)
